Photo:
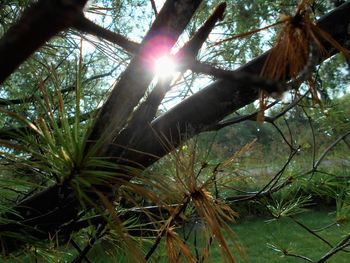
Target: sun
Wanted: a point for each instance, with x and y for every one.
(165, 67)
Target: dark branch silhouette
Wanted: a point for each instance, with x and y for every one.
(38, 24)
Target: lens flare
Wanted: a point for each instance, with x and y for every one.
(164, 67)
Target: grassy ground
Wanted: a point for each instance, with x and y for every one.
(259, 236)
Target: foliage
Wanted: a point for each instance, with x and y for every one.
(186, 205)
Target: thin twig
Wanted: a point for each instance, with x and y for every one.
(76, 246)
(276, 178)
(290, 133)
(253, 116)
(311, 231)
(313, 137)
(290, 106)
(186, 237)
(238, 119)
(325, 227)
(339, 247)
(290, 144)
(154, 7)
(90, 244)
(328, 149)
(297, 256)
(172, 218)
(257, 195)
(347, 143)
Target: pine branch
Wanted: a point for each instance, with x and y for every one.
(154, 7)
(29, 99)
(311, 232)
(134, 81)
(339, 247)
(188, 53)
(184, 57)
(190, 117)
(211, 104)
(38, 24)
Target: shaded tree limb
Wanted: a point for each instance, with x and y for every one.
(86, 26)
(60, 202)
(38, 24)
(213, 103)
(146, 112)
(185, 57)
(134, 81)
(188, 53)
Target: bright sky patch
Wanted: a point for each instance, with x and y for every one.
(164, 67)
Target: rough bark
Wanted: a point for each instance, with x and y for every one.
(134, 81)
(37, 25)
(216, 101)
(42, 214)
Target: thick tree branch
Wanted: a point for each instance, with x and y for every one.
(37, 25)
(85, 25)
(190, 117)
(188, 53)
(219, 99)
(60, 205)
(133, 83)
(185, 57)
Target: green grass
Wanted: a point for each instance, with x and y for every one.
(257, 236)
